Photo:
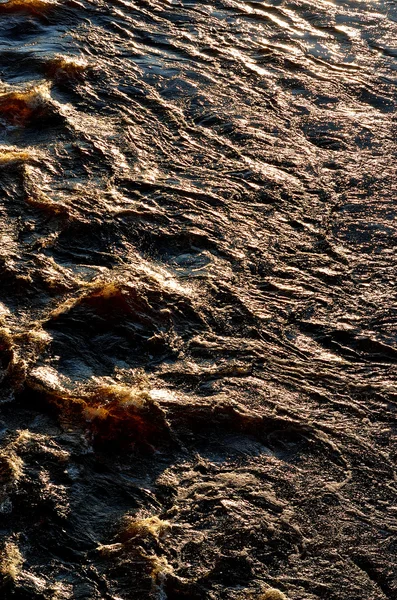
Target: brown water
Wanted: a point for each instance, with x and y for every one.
(198, 322)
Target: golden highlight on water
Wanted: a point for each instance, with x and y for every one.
(198, 322)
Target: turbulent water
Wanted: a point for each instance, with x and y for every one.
(198, 322)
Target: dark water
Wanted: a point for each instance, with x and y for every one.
(197, 300)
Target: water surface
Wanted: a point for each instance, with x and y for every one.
(197, 299)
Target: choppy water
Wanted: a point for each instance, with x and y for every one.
(197, 299)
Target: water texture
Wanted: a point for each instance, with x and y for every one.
(198, 322)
